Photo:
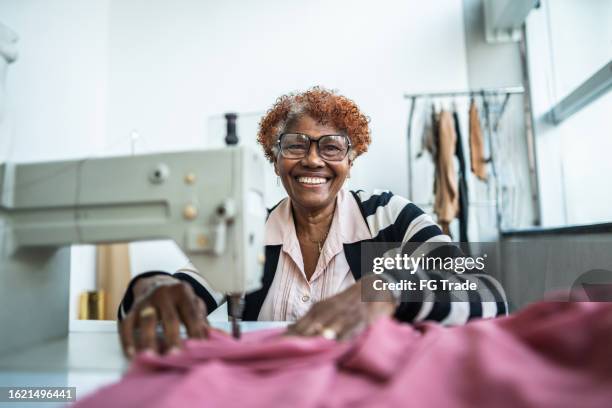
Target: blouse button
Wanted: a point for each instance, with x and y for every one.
(305, 298)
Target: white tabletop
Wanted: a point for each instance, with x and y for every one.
(89, 358)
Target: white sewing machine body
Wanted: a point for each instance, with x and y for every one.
(209, 202)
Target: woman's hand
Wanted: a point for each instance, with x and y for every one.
(343, 315)
(169, 301)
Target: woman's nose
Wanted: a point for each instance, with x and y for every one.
(312, 158)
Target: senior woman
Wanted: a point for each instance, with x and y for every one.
(312, 272)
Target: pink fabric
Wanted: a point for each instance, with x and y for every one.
(549, 355)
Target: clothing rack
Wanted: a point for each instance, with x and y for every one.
(510, 90)
(483, 93)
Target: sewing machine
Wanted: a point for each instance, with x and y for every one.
(209, 202)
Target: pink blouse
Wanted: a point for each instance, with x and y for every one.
(291, 293)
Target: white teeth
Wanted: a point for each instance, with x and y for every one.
(312, 180)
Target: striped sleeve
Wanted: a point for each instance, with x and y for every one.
(128, 298)
(188, 274)
(211, 298)
(394, 219)
(454, 307)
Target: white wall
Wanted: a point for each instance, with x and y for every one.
(94, 71)
(573, 157)
(57, 94)
(174, 65)
(57, 87)
(586, 47)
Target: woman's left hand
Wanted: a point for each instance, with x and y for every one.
(342, 316)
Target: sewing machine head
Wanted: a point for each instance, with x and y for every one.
(209, 202)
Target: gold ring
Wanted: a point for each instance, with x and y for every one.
(329, 334)
(317, 327)
(147, 311)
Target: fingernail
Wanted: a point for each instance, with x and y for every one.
(174, 350)
(130, 352)
(149, 352)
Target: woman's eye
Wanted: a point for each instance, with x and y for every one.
(331, 148)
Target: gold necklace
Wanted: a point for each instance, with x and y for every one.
(319, 243)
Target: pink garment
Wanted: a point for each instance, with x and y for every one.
(549, 355)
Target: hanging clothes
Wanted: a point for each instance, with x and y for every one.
(477, 158)
(426, 135)
(432, 144)
(446, 205)
(463, 189)
(429, 138)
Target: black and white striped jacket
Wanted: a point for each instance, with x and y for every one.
(392, 219)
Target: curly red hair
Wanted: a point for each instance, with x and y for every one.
(324, 106)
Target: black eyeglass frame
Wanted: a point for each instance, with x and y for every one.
(310, 141)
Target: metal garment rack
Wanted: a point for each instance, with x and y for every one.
(483, 93)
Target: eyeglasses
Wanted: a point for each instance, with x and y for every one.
(329, 147)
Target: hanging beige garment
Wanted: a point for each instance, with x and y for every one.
(446, 204)
(477, 159)
(113, 276)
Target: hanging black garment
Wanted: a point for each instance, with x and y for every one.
(463, 190)
(433, 146)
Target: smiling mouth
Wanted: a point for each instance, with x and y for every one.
(312, 181)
